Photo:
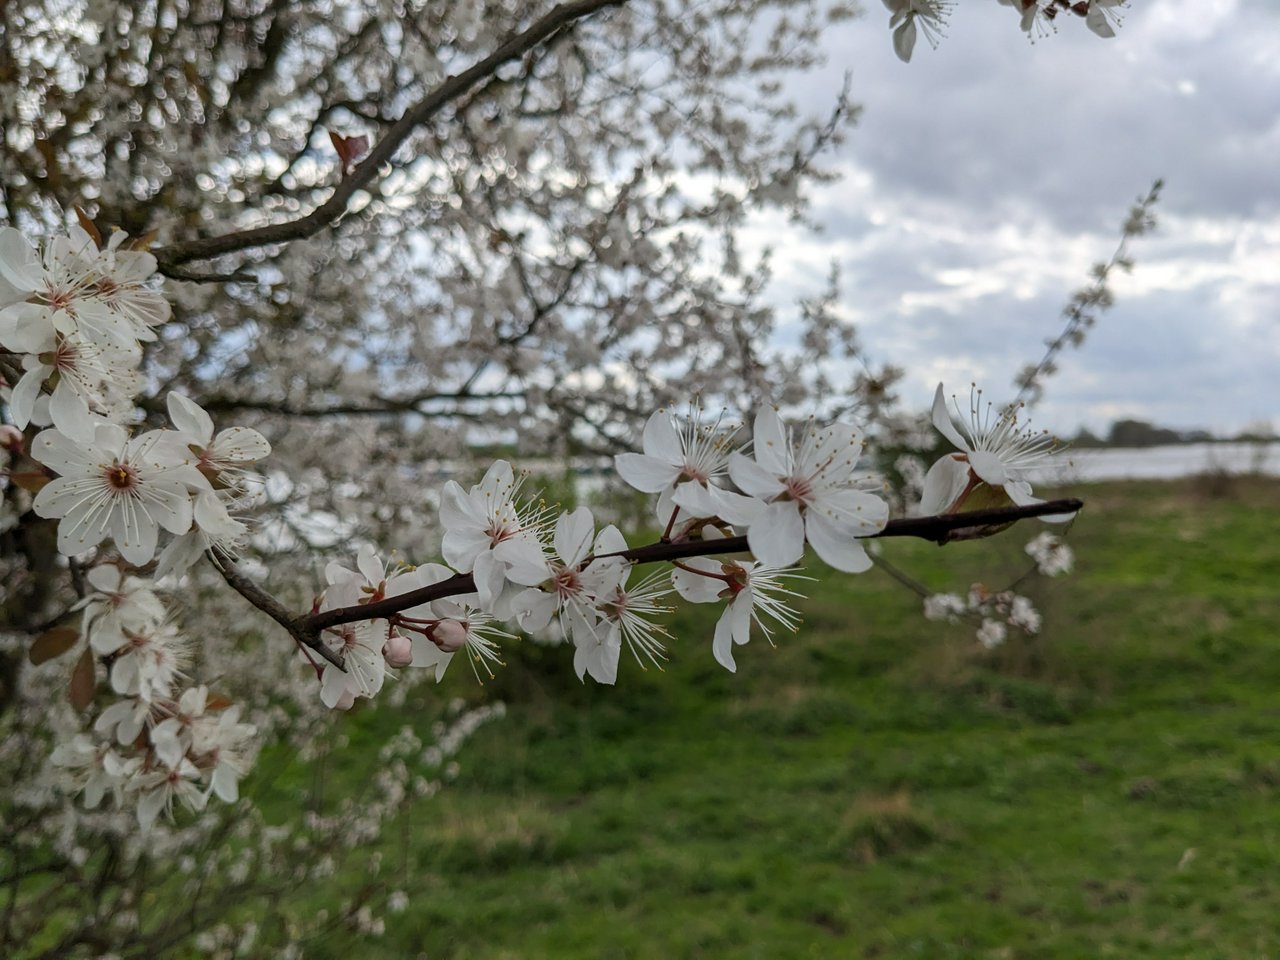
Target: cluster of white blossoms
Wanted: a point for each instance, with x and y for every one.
(76, 315)
(994, 612)
(1053, 557)
(909, 18)
(154, 745)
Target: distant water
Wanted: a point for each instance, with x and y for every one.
(1157, 463)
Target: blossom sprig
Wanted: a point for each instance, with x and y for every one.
(77, 316)
(993, 611)
(996, 454)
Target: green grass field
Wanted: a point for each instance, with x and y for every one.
(879, 786)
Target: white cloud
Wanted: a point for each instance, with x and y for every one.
(988, 175)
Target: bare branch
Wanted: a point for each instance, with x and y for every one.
(298, 626)
(333, 209)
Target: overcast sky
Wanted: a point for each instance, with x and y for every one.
(986, 175)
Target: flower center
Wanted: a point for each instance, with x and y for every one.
(120, 477)
(696, 473)
(58, 299)
(567, 582)
(798, 489)
(65, 355)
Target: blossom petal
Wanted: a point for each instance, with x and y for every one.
(26, 328)
(722, 642)
(696, 588)
(834, 453)
(19, 264)
(771, 448)
(190, 418)
(369, 565)
(609, 540)
(22, 400)
(662, 438)
(754, 479)
(646, 473)
(70, 414)
(835, 546)
(427, 654)
(858, 513)
(735, 508)
(170, 504)
(239, 445)
(904, 39)
(457, 509)
(740, 611)
(777, 536)
(989, 467)
(942, 420)
(573, 536)
(135, 532)
(943, 484)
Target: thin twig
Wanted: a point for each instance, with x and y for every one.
(299, 627)
(382, 153)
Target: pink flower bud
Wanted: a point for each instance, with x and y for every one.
(346, 701)
(398, 651)
(10, 438)
(449, 635)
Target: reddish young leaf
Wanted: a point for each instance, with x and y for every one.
(29, 475)
(83, 680)
(52, 643)
(216, 701)
(350, 149)
(143, 241)
(89, 227)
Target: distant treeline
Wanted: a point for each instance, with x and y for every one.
(1140, 433)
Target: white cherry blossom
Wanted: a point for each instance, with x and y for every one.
(61, 285)
(359, 645)
(995, 450)
(117, 487)
(561, 586)
(929, 15)
(754, 591)
(812, 491)
(626, 617)
(681, 463)
(160, 788)
(1103, 17)
(119, 602)
(221, 458)
(94, 767)
(487, 530)
(92, 382)
(451, 624)
(148, 661)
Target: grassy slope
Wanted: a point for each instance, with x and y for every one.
(878, 787)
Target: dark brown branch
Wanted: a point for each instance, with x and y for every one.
(939, 529)
(332, 209)
(299, 627)
(374, 406)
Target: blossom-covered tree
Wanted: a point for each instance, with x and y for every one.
(269, 271)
